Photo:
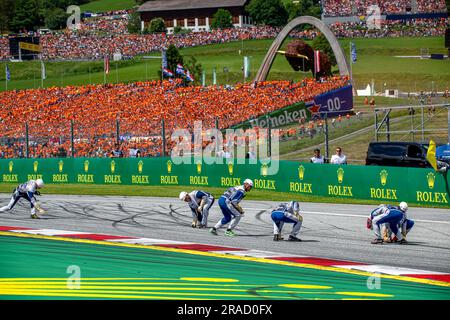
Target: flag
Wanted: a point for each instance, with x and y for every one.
(43, 74)
(180, 70)
(106, 65)
(8, 73)
(353, 50)
(431, 155)
(164, 59)
(316, 61)
(167, 73)
(246, 67)
(189, 77)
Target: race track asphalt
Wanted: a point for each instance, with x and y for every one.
(333, 231)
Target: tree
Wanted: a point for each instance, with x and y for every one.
(268, 12)
(56, 19)
(27, 15)
(181, 30)
(6, 8)
(303, 8)
(195, 69)
(222, 19)
(156, 26)
(174, 57)
(321, 43)
(134, 23)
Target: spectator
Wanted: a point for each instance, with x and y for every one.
(317, 157)
(251, 154)
(339, 157)
(117, 153)
(225, 153)
(134, 152)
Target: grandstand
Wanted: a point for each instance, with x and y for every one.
(92, 43)
(343, 8)
(107, 33)
(140, 108)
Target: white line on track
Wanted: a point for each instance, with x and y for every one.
(355, 215)
(365, 216)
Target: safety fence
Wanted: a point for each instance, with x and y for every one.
(384, 184)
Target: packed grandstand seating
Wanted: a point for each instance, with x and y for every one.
(4, 48)
(340, 8)
(105, 25)
(91, 43)
(139, 108)
(392, 29)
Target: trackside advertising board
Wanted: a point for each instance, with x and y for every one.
(333, 103)
(383, 184)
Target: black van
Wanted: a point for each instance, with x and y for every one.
(397, 154)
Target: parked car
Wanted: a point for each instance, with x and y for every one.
(398, 154)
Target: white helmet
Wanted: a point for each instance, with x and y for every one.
(295, 206)
(403, 206)
(249, 182)
(39, 183)
(183, 195)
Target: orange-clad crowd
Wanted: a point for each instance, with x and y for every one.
(138, 108)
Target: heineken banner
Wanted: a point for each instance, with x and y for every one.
(333, 103)
(277, 118)
(383, 184)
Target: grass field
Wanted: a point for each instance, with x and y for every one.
(376, 60)
(355, 146)
(107, 5)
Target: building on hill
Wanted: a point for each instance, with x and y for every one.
(195, 15)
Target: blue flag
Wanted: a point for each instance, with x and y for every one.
(8, 74)
(354, 56)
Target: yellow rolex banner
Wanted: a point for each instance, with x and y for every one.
(431, 154)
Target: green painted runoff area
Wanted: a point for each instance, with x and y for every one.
(35, 268)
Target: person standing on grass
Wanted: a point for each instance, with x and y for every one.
(339, 157)
(317, 157)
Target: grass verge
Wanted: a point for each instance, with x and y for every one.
(174, 191)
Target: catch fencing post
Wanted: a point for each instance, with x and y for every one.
(376, 125)
(327, 151)
(71, 139)
(448, 115)
(27, 150)
(388, 129)
(118, 130)
(269, 134)
(216, 148)
(423, 125)
(163, 134)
